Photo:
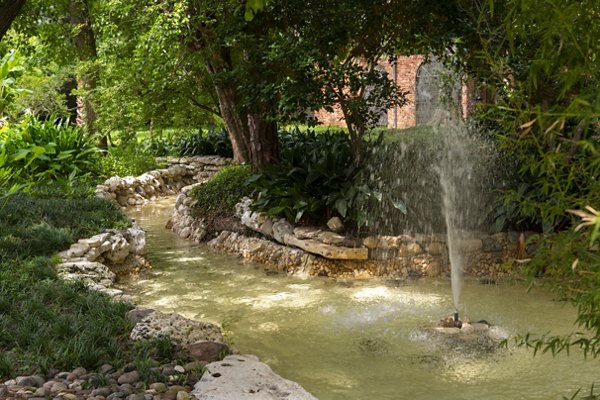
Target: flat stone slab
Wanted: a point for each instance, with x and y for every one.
(328, 251)
(241, 377)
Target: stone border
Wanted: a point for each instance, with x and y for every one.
(324, 252)
(96, 261)
(180, 172)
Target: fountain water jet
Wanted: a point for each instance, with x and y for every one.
(461, 171)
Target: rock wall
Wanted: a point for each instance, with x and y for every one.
(182, 222)
(321, 251)
(180, 172)
(96, 261)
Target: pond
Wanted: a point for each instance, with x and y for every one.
(360, 339)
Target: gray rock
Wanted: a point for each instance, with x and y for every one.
(30, 381)
(181, 330)
(245, 377)
(128, 377)
(136, 396)
(281, 229)
(103, 391)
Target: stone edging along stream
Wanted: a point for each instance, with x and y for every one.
(319, 251)
(98, 260)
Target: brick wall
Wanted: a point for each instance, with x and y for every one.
(406, 68)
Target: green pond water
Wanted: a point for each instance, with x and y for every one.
(360, 340)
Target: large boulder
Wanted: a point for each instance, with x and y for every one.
(241, 377)
(181, 330)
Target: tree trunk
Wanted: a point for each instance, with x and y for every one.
(9, 9)
(237, 125)
(85, 46)
(264, 142)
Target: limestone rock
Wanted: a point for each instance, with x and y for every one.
(181, 330)
(119, 249)
(245, 377)
(136, 237)
(281, 229)
(410, 249)
(89, 272)
(331, 238)
(328, 251)
(306, 232)
(335, 224)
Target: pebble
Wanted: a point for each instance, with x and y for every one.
(124, 386)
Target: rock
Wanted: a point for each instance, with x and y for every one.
(281, 229)
(331, 238)
(87, 271)
(207, 351)
(138, 314)
(76, 250)
(119, 250)
(103, 391)
(181, 330)
(470, 245)
(370, 242)
(245, 377)
(183, 395)
(129, 377)
(335, 224)
(79, 371)
(58, 387)
(328, 251)
(136, 396)
(410, 249)
(159, 387)
(306, 232)
(136, 238)
(436, 248)
(491, 245)
(30, 381)
(179, 369)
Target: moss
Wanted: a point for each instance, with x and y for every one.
(218, 197)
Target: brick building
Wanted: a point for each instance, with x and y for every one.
(421, 80)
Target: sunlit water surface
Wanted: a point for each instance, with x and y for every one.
(359, 340)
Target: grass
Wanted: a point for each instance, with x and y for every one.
(46, 323)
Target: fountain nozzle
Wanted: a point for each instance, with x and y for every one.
(455, 315)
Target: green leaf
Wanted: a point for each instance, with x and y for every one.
(341, 206)
(399, 205)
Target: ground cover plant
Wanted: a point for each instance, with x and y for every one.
(48, 324)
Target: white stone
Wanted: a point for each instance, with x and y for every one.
(136, 237)
(76, 250)
(87, 271)
(244, 377)
(119, 249)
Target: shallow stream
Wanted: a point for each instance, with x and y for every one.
(360, 339)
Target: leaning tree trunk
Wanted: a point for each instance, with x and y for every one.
(85, 46)
(237, 125)
(9, 9)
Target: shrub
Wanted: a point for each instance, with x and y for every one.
(218, 197)
(209, 142)
(316, 178)
(49, 150)
(126, 160)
